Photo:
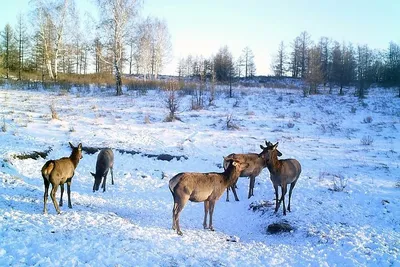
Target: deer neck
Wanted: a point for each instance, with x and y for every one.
(74, 159)
(274, 165)
(230, 176)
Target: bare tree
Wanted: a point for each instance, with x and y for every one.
(295, 58)
(116, 16)
(239, 66)
(8, 44)
(248, 59)
(364, 62)
(161, 46)
(305, 43)
(22, 39)
(323, 46)
(314, 76)
(50, 18)
(279, 66)
(223, 64)
(392, 72)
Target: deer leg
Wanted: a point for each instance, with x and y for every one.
(179, 207)
(234, 192)
(251, 186)
(173, 215)
(284, 190)
(69, 193)
(46, 195)
(62, 193)
(104, 182)
(227, 194)
(290, 193)
(206, 209)
(277, 202)
(212, 204)
(112, 175)
(53, 197)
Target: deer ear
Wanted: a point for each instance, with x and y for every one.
(80, 146)
(262, 147)
(71, 145)
(279, 153)
(275, 146)
(94, 175)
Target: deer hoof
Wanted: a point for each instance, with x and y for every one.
(179, 233)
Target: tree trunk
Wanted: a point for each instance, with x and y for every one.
(118, 81)
(230, 87)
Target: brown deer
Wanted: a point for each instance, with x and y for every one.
(282, 172)
(105, 162)
(57, 172)
(202, 187)
(255, 165)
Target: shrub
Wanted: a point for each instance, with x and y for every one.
(230, 125)
(172, 101)
(4, 126)
(367, 119)
(296, 115)
(290, 124)
(54, 114)
(367, 140)
(147, 119)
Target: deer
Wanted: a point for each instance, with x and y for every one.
(282, 173)
(255, 165)
(202, 187)
(105, 163)
(57, 173)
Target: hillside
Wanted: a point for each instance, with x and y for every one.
(345, 207)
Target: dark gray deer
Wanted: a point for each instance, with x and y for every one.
(202, 187)
(57, 172)
(255, 165)
(282, 173)
(105, 162)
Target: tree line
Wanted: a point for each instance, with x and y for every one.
(332, 63)
(222, 65)
(52, 39)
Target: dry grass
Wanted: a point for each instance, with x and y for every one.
(4, 126)
(230, 124)
(367, 140)
(54, 114)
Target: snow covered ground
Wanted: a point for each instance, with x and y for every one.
(345, 207)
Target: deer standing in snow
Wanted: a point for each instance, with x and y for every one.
(255, 165)
(282, 173)
(57, 173)
(202, 187)
(105, 162)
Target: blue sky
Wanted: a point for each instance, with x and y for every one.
(201, 27)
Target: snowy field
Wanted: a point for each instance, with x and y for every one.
(345, 207)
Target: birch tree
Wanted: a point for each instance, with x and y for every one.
(116, 17)
(50, 17)
(22, 39)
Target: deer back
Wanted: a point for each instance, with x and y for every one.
(289, 170)
(105, 160)
(255, 164)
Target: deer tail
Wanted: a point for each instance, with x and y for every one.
(47, 169)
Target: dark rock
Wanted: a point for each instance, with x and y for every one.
(275, 228)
